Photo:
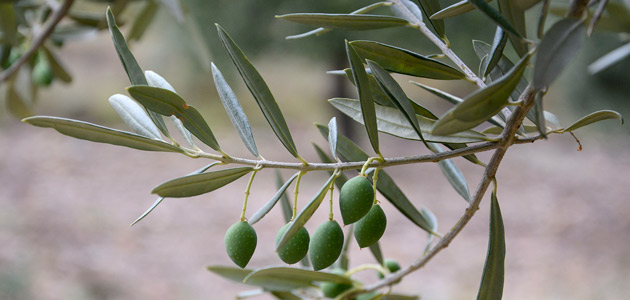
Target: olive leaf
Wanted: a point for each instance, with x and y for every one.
(322, 30)
(395, 92)
(168, 103)
(134, 116)
(375, 249)
(455, 9)
(452, 173)
(258, 215)
(364, 91)
(515, 15)
(160, 199)
(609, 59)
(345, 21)
(433, 222)
(594, 117)
(133, 70)
(155, 80)
(429, 7)
(234, 110)
(498, 44)
(287, 211)
(268, 283)
(350, 151)
(259, 89)
(142, 20)
(341, 180)
(8, 23)
(16, 103)
(197, 184)
(295, 274)
(495, 16)
(403, 61)
(100, 134)
(305, 214)
(482, 104)
(332, 136)
(491, 287)
(392, 121)
(557, 48)
(58, 68)
(409, 11)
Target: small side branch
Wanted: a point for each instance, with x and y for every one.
(39, 40)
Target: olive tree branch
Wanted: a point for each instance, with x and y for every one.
(58, 13)
(507, 139)
(342, 166)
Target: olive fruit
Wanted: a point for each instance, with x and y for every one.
(295, 249)
(42, 73)
(332, 289)
(371, 227)
(325, 246)
(355, 199)
(391, 265)
(240, 243)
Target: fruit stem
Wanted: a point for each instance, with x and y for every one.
(330, 213)
(369, 161)
(249, 186)
(295, 193)
(374, 181)
(367, 267)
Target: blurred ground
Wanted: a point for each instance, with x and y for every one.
(66, 204)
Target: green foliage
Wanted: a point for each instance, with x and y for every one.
(504, 98)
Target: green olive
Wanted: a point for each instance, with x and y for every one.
(332, 289)
(326, 245)
(391, 265)
(240, 243)
(295, 249)
(371, 227)
(355, 199)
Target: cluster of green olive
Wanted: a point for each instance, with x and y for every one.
(357, 206)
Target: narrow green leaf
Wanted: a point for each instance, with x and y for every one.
(400, 297)
(471, 157)
(16, 104)
(527, 129)
(321, 30)
(282, 295)
(503, 67)
(500, 40)
(287, 211)
(252, 293)
(556, 50)
(396, 93)
(610, 59)
(160, 199)
(409, 11)
(175, 8)
(58, 69)
(452, 173)
(349, 151)
(345, 21)
(455, 9)
(482, 104)
(515, 15)
(234, 110)
(433, 223)
(168, 103)
(295, 274)
(365, 96)
(260, 91)
(197, 184)
(134, 116)
(595, 117)
(442, 94)
(332, 136)
(155, 80)
(542, 18)
(142, 20)
(392, 121)
(133, 70)
(258, 215)
(377, 253)
(8, 23)
(403, 61)
(495, 16)
(539, 113)
(491, 287)
(96, 133)
(305, 214)
(270, 284)
(430, 7)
